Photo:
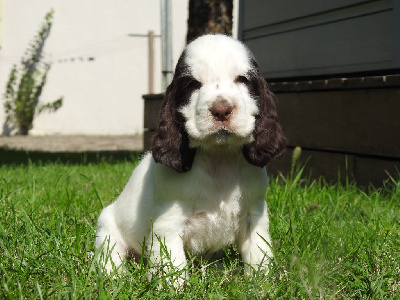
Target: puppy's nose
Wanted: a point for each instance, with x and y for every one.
(221, 110)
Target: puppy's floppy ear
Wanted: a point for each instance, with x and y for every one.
(269, 141)
(171, 142)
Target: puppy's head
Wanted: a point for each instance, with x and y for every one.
(217, 98)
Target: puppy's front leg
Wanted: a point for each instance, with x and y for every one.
(166, 249)
(254, 240)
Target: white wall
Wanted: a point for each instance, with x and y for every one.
(102, 96)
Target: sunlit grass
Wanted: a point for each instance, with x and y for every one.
(330, 241)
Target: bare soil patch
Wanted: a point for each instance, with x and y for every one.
(72, 143)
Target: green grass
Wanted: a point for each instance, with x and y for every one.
(330, 241)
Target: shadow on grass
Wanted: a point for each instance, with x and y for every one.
(21, 157)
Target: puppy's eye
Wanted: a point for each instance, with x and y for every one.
(242, 79)
(194, 84)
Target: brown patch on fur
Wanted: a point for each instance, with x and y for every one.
(269, 140)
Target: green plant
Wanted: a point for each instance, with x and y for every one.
(25, 84)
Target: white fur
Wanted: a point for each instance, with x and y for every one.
(220, 201)
(217, 74)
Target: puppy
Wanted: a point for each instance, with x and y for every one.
(203, 184)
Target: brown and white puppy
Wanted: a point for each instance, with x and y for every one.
(203, 184)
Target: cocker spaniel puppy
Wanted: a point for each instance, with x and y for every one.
(204, 182)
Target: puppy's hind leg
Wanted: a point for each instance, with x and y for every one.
(109, 239)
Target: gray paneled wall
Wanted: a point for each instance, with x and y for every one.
(314, 37)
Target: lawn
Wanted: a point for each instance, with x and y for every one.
(330, 241)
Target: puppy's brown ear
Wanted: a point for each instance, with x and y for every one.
(269, 141)
(171, 142)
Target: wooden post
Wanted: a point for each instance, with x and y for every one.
(151, 62)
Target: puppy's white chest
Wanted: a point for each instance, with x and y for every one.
(209, 231)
